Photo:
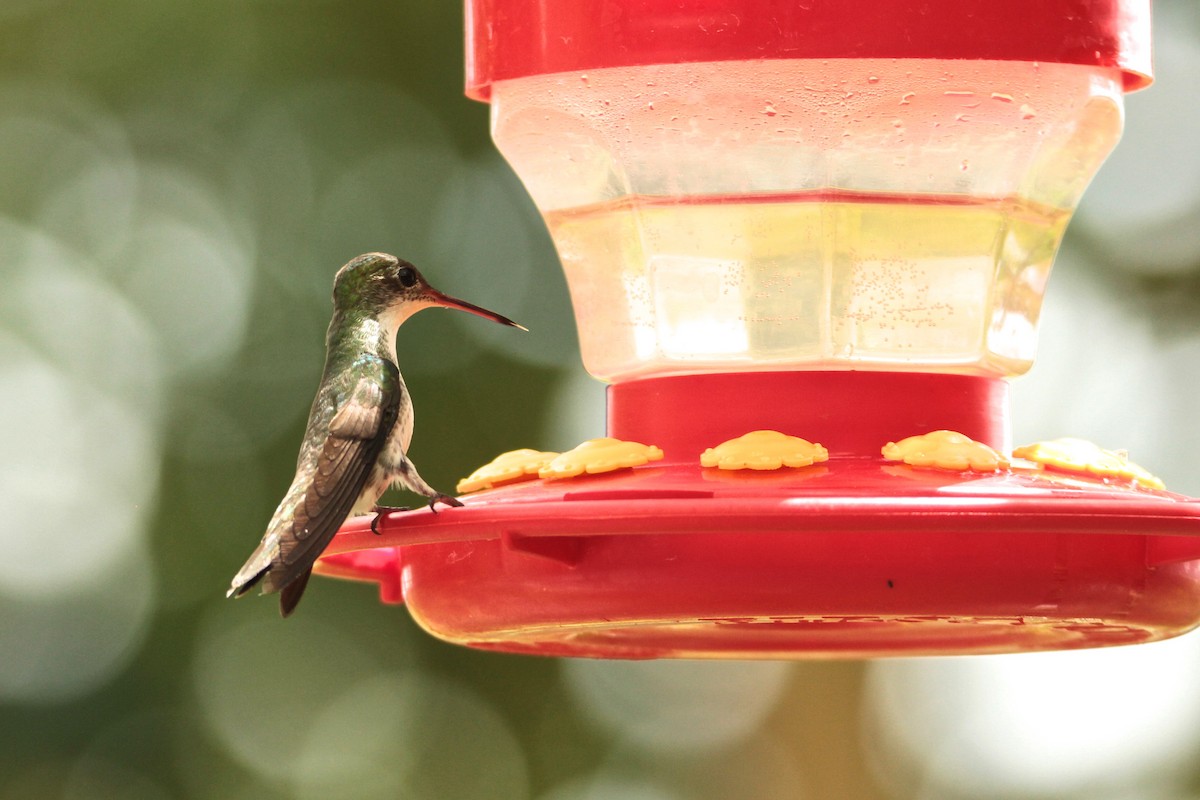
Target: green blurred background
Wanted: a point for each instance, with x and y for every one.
(178, 183)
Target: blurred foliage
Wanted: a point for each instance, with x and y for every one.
(273, 141)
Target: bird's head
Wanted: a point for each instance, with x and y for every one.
(385, 286)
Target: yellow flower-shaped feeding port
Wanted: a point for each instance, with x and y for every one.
(600, 455)
(1078, 455)
(764, 450)
(945, 450)
(515, 465)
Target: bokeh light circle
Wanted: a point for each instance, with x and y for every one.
(414, 735)
(1098, 370)
(62, 645)
(306, 706)
(1044, 724)
(260, 683)
(78, 505)
(669, 706)
(491, 242)
(1143, 208)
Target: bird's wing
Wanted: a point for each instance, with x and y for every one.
(357, 433)
(316, 507)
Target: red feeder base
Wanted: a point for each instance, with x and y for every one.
(856, 557)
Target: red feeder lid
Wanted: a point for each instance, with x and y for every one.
(518, 38)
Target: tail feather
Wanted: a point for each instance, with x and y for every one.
(239, 589)
(253, 573)
(289, 596)
(256, 566)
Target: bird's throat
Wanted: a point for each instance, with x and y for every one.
(354, 334)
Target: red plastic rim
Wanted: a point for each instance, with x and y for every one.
(855, 556)
(517, 38)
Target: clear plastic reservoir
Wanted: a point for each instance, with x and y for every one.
(895, 214)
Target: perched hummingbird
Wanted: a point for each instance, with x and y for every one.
(359, 428)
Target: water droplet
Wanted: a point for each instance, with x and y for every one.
(769, 110)
(1003, 98)
(1027, 111)
(907, 96)
(584, 80)
(965, 165)
(873, 79)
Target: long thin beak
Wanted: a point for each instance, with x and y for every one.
(446, 301)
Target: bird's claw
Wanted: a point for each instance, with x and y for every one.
(443, 498)
(379, 512)
(433, 501)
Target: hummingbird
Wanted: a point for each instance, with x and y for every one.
(359, 429)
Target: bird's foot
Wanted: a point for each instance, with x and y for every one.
(380, 511)
(443, 498)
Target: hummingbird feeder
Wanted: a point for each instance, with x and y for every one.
(806, 245)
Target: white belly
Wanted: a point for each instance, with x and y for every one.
(392, 466)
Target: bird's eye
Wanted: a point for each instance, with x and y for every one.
(407, 277)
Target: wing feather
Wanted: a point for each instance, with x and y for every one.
(358, 431)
